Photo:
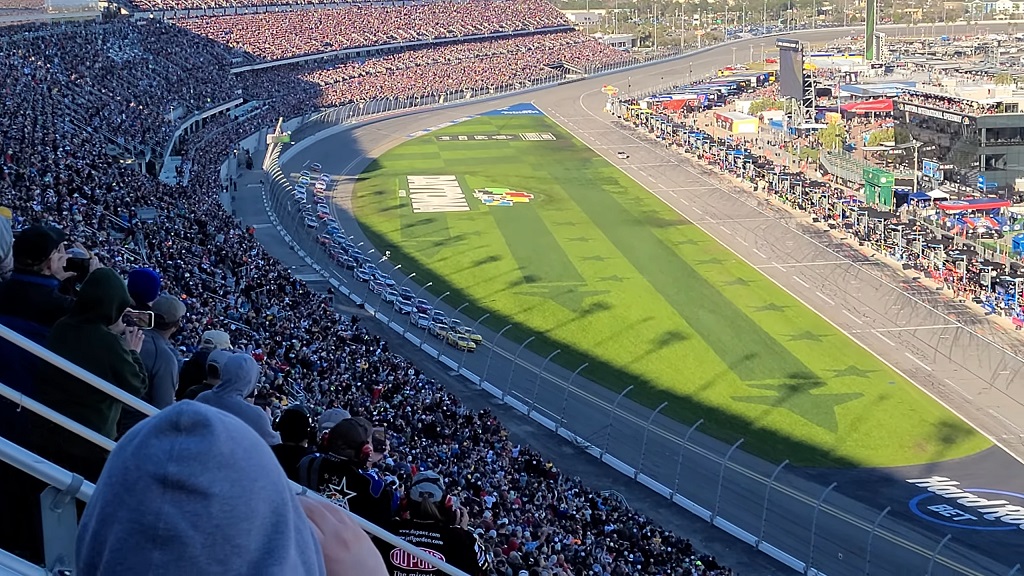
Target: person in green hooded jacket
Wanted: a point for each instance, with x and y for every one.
(93, 337)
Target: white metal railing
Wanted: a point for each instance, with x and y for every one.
(64, 480)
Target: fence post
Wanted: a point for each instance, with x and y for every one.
(611, 418)
(487, 366)
(536, 385)
(814, 526)
(679, 466)
(515, 360)
(1014, 571)
(721, 478)
(871, 536)
(565, 399)
(931, 563)
(764, 514)
(643, 448)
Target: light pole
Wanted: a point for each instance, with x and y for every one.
(611, 419)
(565, 399)
(400, 286)
(536, 385)
(515, 361)
(432, 308)
(472, 331)
(487, 366)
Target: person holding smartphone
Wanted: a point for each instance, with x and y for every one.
(94, 338)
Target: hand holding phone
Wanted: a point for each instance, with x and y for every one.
(137, 319)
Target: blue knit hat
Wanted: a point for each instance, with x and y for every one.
(143, 286)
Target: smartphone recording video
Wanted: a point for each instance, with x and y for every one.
(137, 319)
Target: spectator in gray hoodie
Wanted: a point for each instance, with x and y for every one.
(235, 394)
(192, 490)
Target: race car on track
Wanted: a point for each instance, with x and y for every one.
(622, 155)
(460, 341)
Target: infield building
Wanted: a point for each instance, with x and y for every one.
(972, 136)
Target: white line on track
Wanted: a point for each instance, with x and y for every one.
(823, 263)
(742, 241)
(758, 252)
(697, 210)
(959, 389)
(922, 364)
(884, 339)
(826, 299)
(726, 230)
(854, 318)
(797, 278)
(1010, 424)
(684, 202)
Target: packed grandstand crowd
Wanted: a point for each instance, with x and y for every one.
(277, 35)
(73, 93)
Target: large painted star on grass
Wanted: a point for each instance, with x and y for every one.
(852, 371)
(568, 296)
(796, 396)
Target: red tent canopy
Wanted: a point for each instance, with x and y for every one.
(865, 106)
(973, 204)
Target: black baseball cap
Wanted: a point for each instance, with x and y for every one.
(33, 245)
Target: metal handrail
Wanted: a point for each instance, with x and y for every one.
(60, 478)
(11, 564)
(44, 470)
(76, 371)
(57, 418)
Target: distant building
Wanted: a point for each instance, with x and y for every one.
(620, 41)
(584, 18)
(976, 132)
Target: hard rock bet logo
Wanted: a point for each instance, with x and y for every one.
(501, 196)
(944, 502)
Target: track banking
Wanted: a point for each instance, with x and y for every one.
(973, 511)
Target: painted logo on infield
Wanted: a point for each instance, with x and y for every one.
(522, 109)
(436, 194)
(969, 508)
(501, 196)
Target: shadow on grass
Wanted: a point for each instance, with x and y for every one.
(685, 409)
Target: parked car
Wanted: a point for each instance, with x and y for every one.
(460, 341)
(300, 188)
(319, 199)
(305, 181)
(622, 155)
(332, 221)
(320, 185)
(305, 174)
(325, 240)
(332, 229)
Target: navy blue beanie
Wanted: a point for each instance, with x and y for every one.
(143, 286)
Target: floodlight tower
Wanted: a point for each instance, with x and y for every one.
(869, 30)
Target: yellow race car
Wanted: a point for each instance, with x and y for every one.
(458, 326)
(460, 341)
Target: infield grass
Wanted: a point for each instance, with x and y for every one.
(598, 267)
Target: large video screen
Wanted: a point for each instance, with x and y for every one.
(791, 69)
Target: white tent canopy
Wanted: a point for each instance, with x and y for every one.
(938, 194)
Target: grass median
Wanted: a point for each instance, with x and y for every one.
(523, 221)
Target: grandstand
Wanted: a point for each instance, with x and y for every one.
(90, 113)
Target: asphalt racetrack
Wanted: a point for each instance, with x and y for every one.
(961, 360)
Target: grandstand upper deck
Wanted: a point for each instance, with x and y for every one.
(279, 35)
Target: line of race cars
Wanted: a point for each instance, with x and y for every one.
(347, 254)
